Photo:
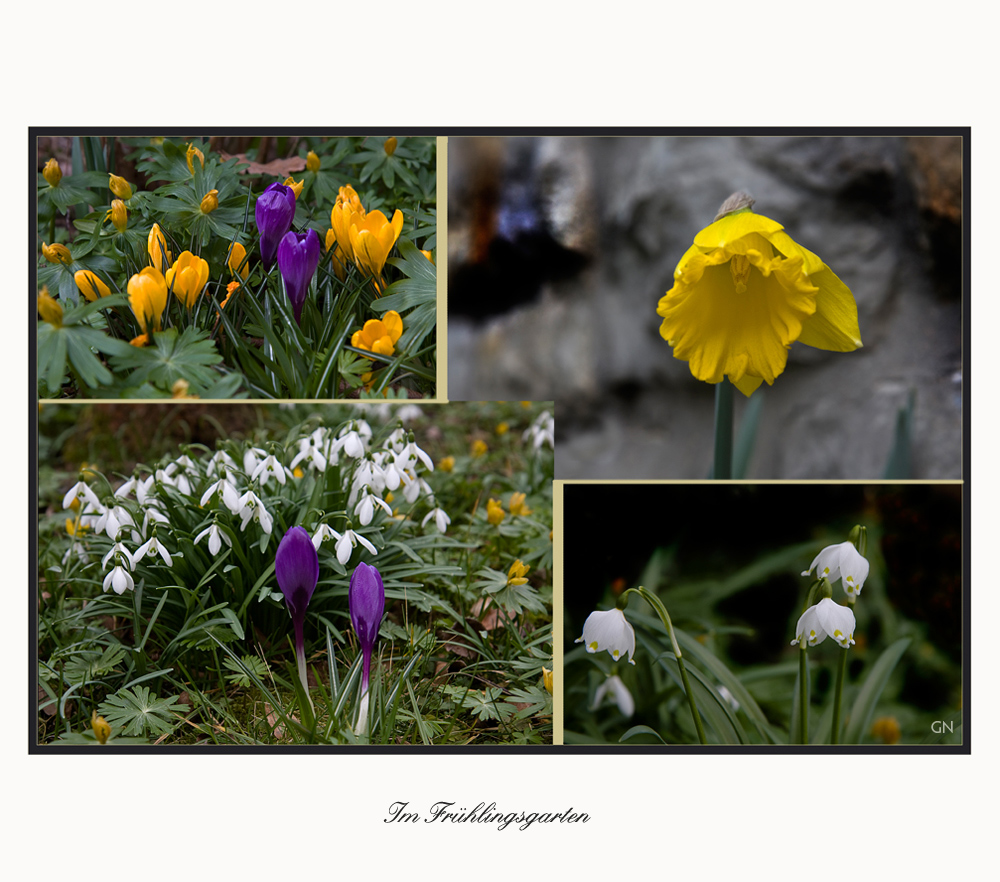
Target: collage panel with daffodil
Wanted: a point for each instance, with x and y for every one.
(237, 267)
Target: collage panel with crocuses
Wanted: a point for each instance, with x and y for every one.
(265, 574)
(763, 616)
(231, 267)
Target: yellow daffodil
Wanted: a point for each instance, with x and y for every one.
(90, 286)
(147, 295)
(192, 152)
(210, 202)
(156, 245)
(547, 679)
(56, 253)
(101, 727)
(517, 506)
(389, 146)
(52, 173)
(517, 572)
(380, 335)
(447, 464)
(237, 254)
(49, 308)
(372, 238)
(118, 214)
(479, 447)
(187, 277)
(296, 188)
(119, 186)
(743, 293)
(494, 512)
(312, 161)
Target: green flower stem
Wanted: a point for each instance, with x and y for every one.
(803, 697)
(838, 692)
(661, 611)
(723, 464)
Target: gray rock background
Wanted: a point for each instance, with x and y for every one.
(883, 212)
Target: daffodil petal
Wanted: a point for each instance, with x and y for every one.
(834, 325)
(734, 226)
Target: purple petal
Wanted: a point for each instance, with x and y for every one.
(274, 212)
(298, 257)
(296, 567)
(366, 599)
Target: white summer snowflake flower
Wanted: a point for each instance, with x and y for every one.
(120, 580)
(843, 562)
(151, 547)
(609, 630)
(215, 539)
(347, 542)
(826, 619)
(441, 520)
(619, 694)
(324, 533)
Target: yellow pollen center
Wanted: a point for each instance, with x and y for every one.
(739, 267)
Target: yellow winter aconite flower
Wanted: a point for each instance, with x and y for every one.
(118, 214)
(210, 202)
(479, 447)
(237, 254)
(180, 389)
(296, 188)
(187, 277)
(372, 238)
(156, 245)
(494, 512)
(52, 173)
(547, 680)
(389, 146)
(312, 161)
(887, 730)
(56, 253)
(428, 255)
(447, 464)
(147, 295)
(380, 335)
(743, 293)
(502, 428)
(517, 572)
(517, 506)
(90, 286)
(119, 186)
(101, 727)
(49, 308)
(192, 152)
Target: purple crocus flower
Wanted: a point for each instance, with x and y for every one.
(366, 599)
(298, 257)
(296, 566)
(273, 213)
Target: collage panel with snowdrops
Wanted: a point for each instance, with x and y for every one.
(270, 574)
(236, 267)
(764, 616)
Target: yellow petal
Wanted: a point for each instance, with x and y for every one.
(834, 325)
(735, 226)
(393, 325)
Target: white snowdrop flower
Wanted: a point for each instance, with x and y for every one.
(251, 507)
(395, 474)
(409, 412)
(365, 509)
(312, 448)
(351, 442)
(415, 487)
(128, 487)
(172, 477)
(619, 694)
(324, 533)
(145, 489)
(728, 697)
(411, 453)
(118, 549)
(844, 562)
(541, 431)
(251, 458)
(441, 519)
(368, 473)
(80, 491)
(227, 490)
(113, 519)
(609, 630)
(120, 580)
(215, 538)
(220, 462)
(151, 547)
(268, 468)
(77, 549)
(347, 542)
(826, 619)
(396, 440)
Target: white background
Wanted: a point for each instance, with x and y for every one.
(515, 64)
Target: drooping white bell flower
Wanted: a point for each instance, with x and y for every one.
(269, 468)
(120, 580)
(347, 542)
(153, 546)
(842, 562)
(215, 538)
(441, 519)
(365, 509)
(324, 533)
(113, 519)
(826, 619)
(251, 506)
(118, 549)
(619, 694)
(225, 487)
(83, 493)
(609, 630)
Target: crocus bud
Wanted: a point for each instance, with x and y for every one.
(102, 730)
(296, 567)
(312, 161)
(187, 277)
(547, 679)
(90, 286)
(298, 257)
(274, 212)
(52, 173)
(49, 308)
(366, 600)
(57, 253)
(120, 187)
(296, 188)
(237, 256)
(119, 215)
(156, 245)
(389, 146)
(192, 152)
(210, 202)
(147, 295)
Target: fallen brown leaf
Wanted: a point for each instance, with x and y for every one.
(280, 168)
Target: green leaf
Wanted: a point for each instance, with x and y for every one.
(136, 712)
(871, 690)
(189, 356)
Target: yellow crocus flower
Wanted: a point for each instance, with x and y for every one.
(156, 245)
(52, 173)
(237, 255)
(119, 186)
(90, 286)
(380, 335)
(49, 308)
(547, 679)
(479, 447)
(147, 295)
(187, 277)
(372, 238)
(210, 202)
(517, 506)
(56, 253)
